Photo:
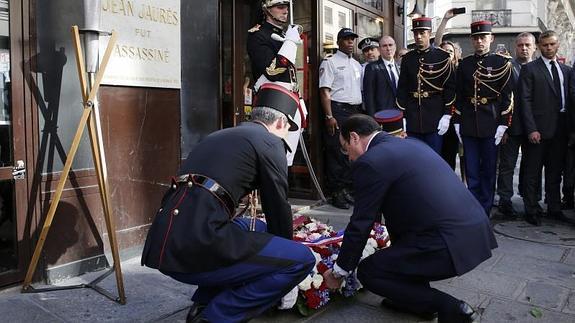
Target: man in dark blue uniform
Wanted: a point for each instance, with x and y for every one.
(484, 109)
(195, 237)
(434, 235)
(426, 88)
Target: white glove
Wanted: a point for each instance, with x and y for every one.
(456, 127)
(289, 300)
(443, 125)
(499, 134)
(292, 34)
(291, 40)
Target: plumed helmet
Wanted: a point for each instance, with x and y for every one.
(271, 3)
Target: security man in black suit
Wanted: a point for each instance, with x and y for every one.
(380, 79)
(241, 269)
(545, 109)
(437, 228)
(426, 88)
(484, 108)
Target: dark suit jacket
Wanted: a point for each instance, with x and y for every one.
(200, 237)
(539, 100)
(516, 127)
(394, 177)
(378, 90)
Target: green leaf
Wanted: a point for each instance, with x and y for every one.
(536, 313)
(302, 307)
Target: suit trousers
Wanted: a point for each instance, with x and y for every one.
(450, 147)
(480, 169)
(568, 188)
(551, 154)
(402, 272)
(432, 139)
(338, 174)
(246, 289)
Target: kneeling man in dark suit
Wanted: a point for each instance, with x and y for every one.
(437, 228)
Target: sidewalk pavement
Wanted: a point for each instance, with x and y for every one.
(528, 279)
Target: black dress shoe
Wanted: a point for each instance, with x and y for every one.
(426, 316)
(559, 216)
(339, 201)
(467, 313)
(533, 219)
(194, 315)
(567, 205)
(506, 209)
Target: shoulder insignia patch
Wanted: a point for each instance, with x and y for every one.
(254, 28)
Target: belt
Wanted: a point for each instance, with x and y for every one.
(211, 186)
(346, 105)
(481, 100)
(424, 94)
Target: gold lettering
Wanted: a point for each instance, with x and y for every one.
(143, 53)
(160, 15)
(123, 7)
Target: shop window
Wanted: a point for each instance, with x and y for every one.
(341, 19)
(377, 4)
(490, 4)
(328, 15)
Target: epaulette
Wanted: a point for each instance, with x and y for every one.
(443, 50)
(254, 28)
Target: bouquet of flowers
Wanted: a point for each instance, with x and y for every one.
(325, 243)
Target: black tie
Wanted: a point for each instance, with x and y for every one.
(557, 83)
(392, 76)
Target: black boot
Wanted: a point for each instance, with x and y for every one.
(194, 315)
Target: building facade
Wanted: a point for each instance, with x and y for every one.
(147, 130)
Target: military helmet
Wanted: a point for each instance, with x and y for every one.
(272, 3)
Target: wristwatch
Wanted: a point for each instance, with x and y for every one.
(328, 116)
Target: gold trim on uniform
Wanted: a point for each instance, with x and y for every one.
(452, 101)
(509, 108)
(254, 28)
(273, 70)
(399, 105)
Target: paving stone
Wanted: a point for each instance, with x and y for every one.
(498, 311)
(544, 295)
(21, 310)
(537, 270)
(489, 283)
(570, 304)
(550, 232)
(531, 249)
(570, 258)
(473, 298)
(353, 312)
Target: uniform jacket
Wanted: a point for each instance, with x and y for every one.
(516, 127)
(263, 53)
(378, 89)
(420, 206)
(201, 237)
(496, 90)
(539, 100)
(436, 95)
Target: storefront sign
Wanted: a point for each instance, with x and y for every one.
(147, 52)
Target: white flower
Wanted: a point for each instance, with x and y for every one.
(311, 226)
(369, 249)
(316, 281)
(334, 257)
(314, 236)
(306, 283)
(317, 257)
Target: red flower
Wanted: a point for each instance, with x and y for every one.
(312, 299)
(322, 268)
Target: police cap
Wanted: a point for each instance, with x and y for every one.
(368, 43)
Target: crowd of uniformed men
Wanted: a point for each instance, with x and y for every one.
(485, 106)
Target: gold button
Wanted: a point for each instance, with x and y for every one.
(160, 210)
(190, 184)
(175, 212)
(174, 186)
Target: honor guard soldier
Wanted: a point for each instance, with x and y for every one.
(426, 88)
(273, 53)
(241, 267)
(483, 111)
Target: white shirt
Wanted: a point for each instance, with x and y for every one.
(393, 69)
(342, 75)
(560, 72)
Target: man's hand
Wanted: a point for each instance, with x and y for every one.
(330, 281)
(443, 125)
(289, 299)
(535, 137)
(449, 14)
(293, 34)
(331, 125)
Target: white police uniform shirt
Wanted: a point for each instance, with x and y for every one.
(342, 75)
